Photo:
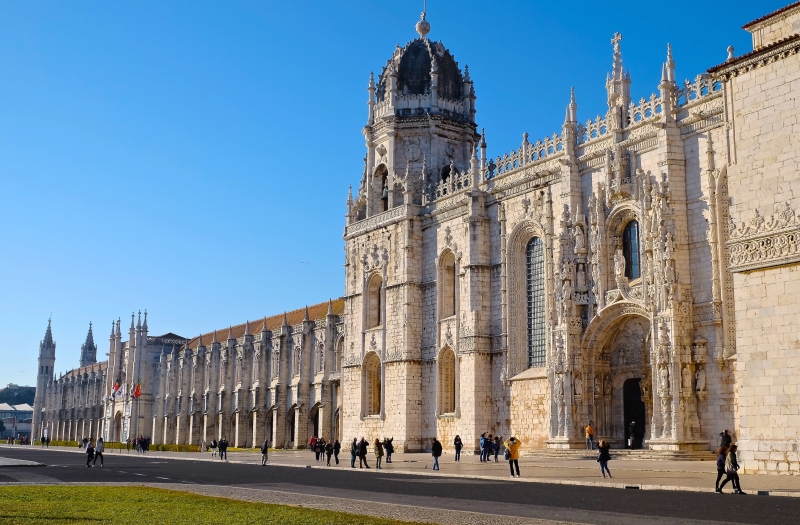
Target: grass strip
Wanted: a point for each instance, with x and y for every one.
(54, 504)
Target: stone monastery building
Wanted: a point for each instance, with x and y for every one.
(643, 266)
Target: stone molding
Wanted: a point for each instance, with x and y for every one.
(375, 221)
(762, 243)
(759, 58)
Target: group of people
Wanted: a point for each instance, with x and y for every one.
(222, 446)
(325, 449)
(23, 440)
(93, 451)
(490, 446)
(45, 441)
(360, 449)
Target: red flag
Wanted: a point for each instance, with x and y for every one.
(137, 390)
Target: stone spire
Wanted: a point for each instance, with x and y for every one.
(305, 315)
(215, 337)
(670, 65)
(199, 342)
(139, 321)
(88, 349)
(264, 326)
(285, 322)
(144, 326)
(247, 328)
(48, 342)
(119, 332)
(230, 332)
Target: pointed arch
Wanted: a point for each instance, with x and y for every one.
(447, 372)
(371, 385)
(447, 284)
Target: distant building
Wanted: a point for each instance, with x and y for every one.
(16, 419)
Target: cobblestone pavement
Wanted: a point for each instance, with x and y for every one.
(642, 473)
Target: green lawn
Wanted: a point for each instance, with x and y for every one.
(38, 504)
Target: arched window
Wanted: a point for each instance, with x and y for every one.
(534, 273)
(296, 361)
(447, 381)
(381, 185)
(448, 282)
(372, 385)
(320, 358)
(374, 302)
(275, 362)
(338, 350)
(630, 249)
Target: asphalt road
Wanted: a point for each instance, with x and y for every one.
(596, 505)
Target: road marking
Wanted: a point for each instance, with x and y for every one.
(159, 477)
(122, 472)
(137, 474)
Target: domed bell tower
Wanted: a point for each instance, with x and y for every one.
(420, 126)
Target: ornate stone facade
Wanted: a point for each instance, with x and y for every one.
(640, 266)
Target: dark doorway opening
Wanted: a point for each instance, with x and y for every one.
(316, 423)
(634, 410)
(291, 428)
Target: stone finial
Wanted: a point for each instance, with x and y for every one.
(264, 326)
(215, 337)
(670, 64)
(423, 26)
(330, 307)
(119, 333)
(145, 320)
(247, 328)
(199, 342)
(305, 315)
(730, 54)
(112, 328)
(285, 322)
(133, 316)
(230, 332)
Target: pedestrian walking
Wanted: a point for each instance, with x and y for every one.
(89, 453)
(319, 449)
(336, 448)
(589, 437)
(48, 441)
(731, 472)
(482, 444)
(42, 441)
(312, 444)
(488, 442)
(329, 451)
(363, 445)
(223, 449)
(512, 454)
(496, 447)
(603, 457)
(84, 442)
(353, 453)
(264, 452)
(458, 445)
(632, 435)
(725, 439)
(98, 451)
(213, 447)
(436, 452)
(378, 450)
(722, 453)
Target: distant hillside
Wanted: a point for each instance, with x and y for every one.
(16, 395)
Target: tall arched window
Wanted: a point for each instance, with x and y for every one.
(447, 381)
(448, 283)
(630, 249)
(320, 358)
(296, 361)
(372, 385)
(534, 273)
(374, 302)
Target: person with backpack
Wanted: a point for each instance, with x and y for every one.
(264, 452)
(512, 454)
(328, 451)
(731, 472)
(458, 445)
(603, 457)
(98, 451)
(89, 452)
(336, 448)
(388, 448)
(436, 452)
(213, 447)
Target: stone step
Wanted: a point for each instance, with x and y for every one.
(660, 455)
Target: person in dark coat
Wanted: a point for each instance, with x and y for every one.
(436, 452)
(264, 452)
(603, 457)
(336, 448)
(329, 452)
(353, 453)
(731, 472)
(725, 440)
(458, 445)
(89, 452)
(363, 446)
(388, 448)
(722, 452)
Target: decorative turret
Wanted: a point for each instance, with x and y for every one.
(88, 349)
(618, 86)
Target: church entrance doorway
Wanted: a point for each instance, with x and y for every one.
(316, 423)
(117, 427)
(291, 427)
(634, 412)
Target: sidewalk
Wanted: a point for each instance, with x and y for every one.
(696, 476)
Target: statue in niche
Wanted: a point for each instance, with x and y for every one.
(581, 277)
(619, 263)
(700, 376)
(580, 240)
(597, 387)
(559, 386)
(578, 386)
(686, 377)
(664, 378)
(566, 290)
(607, 386)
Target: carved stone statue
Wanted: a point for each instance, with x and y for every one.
(597, 387)
(578, 386)
(580, 240)
(664, 378)
(559, 390)
(700, 376)
(607, 386)
(581, 277)
(566, 290)
(619, 263)
(686, 378)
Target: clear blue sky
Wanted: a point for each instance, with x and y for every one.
(185, 157)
